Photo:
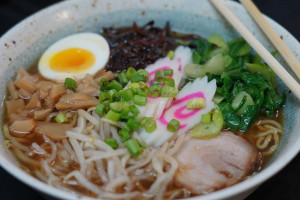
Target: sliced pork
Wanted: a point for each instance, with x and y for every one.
(209, 165)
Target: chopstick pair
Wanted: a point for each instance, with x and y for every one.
(291, 83)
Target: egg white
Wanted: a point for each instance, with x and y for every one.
(92, 42)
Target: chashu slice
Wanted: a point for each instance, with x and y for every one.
(209, 165)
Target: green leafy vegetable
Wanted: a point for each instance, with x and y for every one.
(238, 47)
(245, 84)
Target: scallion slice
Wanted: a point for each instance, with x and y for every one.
(104, 96)
(112, 142)
(117, 96)
(127, 94)
(133, 124)
(61, 118)
(195, 103)
(154, 90)
(171, 54)
(70, 84)
(169, 82)
(133, 147)
(123, 78)
(159, 76)
(137, 77)
(130, 72)
(112, 92)
(115, 85)
(141, 144)
(141, 92)
(124, 135)
(100, 109)
(168, 72)
(103, 84)
(149, 125)
(168, 91)
(112, 115)
(116, 106)
(144, 73)
(173, 125)
(139, 100)
(133, 111)
(134, 85)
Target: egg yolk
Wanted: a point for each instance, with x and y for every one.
(72, 60)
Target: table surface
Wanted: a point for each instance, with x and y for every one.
(282, 186)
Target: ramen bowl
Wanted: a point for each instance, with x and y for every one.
(23, 45)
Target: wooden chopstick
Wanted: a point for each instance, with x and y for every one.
(284, 51)
(291, 83)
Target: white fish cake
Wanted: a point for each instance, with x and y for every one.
(200, 88)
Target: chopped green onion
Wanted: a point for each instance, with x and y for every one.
(125, 108)
(141, 92)
(152, 83)
(173, 125)
(112, 92)
(116, 106)
(141, 144)
(137, 77)
(171, 54)
(130, 72)
(134, 111)
(112, 142)
(143, 121)
(103, 84)
(70, 84)
(169, 82)
(134, 85)
(127, 94)
(133, 124)
(168, 91)
(117, 96)
(61, 118)
(144, 87)
(144, 73)
(133, 147)
(195, 103)
(159, 76)
(104, 96)
(123, 78)
(131, 112)
(168, 72)
(139, 100)
(206, 118)
(154, 91)
(100, 109)
(141, 75)
(113, 116)
(149, 124)
(124, 135)
(115, 85)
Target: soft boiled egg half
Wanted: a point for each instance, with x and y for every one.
(74, 56)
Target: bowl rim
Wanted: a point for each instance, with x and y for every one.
(252, 182)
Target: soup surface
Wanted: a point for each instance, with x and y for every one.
(168, 116)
